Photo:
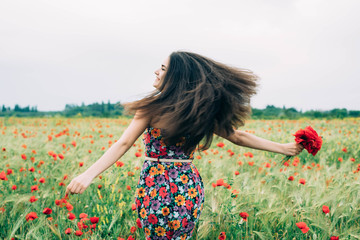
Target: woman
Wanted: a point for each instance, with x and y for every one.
(195, 97)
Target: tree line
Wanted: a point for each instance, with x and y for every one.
(114, 110)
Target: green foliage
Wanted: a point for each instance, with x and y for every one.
(272, 112)
(110, 110)
(274, 203)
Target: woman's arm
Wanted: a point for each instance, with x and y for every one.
(245, 139)
(116, 151)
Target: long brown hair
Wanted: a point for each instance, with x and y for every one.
(197, 97)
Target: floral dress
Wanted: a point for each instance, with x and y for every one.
(169, 196)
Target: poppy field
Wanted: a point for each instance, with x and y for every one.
(249, 193)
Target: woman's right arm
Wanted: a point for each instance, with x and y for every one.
(116, 151)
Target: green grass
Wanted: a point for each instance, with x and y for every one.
(274, 203)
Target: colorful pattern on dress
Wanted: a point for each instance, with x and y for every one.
(169, 196)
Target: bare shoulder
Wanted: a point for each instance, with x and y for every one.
(232, 137)
(137, 126)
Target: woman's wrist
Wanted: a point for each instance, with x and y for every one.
(282, 148)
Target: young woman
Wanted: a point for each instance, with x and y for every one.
(195, 97)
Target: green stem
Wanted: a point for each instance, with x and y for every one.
(285, 159)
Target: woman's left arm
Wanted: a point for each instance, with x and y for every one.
(245, 139)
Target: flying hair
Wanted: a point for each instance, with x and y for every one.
(198, 97)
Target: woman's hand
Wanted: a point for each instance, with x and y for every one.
(79, 184)
(292, 149)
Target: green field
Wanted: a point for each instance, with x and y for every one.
(39, 158)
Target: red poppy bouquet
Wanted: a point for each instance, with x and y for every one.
(310, 140)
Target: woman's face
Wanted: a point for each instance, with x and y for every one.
(160, 73)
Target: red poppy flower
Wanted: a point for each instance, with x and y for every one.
(220, 144)
(334, 238)
(302, 181)
(34, 188)
(69, 207)
(83, 215)
(325, 209)
(132, 229)
(94, 220)
(222, 236)
(81, 225)
(71, 216)
(291, 178)
(78, 233)
(138, 223)
(244, 215)
(219, 182)
(13, 187)
(31, 216)
(68, 231)
(309, 138)
(47, 211)
(119, 164)
(303, 227)
(3, 176)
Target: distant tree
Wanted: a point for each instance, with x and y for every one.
(33, 109)
(17, 108)
(339, 113)
(3, 108)
(109, 106)
(354, 113)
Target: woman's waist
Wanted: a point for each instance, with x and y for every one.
(166, 155)
(161, 159)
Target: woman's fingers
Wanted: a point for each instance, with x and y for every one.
(73, 187)
(68, 188)
(78, 189)
(79, 184)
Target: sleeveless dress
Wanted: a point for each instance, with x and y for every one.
(169, 196)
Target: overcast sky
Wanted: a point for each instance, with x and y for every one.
(52, 53)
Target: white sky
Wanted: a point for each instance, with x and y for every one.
(306, 52)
